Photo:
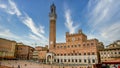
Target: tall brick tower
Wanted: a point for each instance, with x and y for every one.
(52, 33)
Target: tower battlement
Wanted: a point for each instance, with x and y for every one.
(75, 34)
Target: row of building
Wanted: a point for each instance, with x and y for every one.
(77, 50)
(13, 50)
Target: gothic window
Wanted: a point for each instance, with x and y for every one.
(64, 46)
(111, 52)
(88, 53)
(61, 60)
(72, 60)
(75, 46)
(64, 60)
(54, 60)
(79, 53)
(115, 52)
(91, 43)
(85, 60)
(72, 54)
(75, 53)
(119, 52)
(84, 53)
(93, 53)
(75, 60)
(83, 44)
(68, 46)
(93, 60)
(104, 52)
(78, 45)
(68, 60)
(79, 60)
(88, 44)
(58, 60)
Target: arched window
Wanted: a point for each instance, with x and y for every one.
(79, 60)
(88, 53)
(93, 60)
(84, 53)
(79, 53)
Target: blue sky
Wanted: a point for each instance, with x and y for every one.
(27, 21)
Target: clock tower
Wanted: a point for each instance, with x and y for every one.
(52, 33)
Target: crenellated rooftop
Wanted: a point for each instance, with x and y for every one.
(74, 34)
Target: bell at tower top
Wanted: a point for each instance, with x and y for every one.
(52, 13)
(53, 8)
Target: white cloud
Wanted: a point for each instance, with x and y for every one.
(12, 9)
(104, 20)
(3, 6)
(29, 23)
(69, 23)
(7, 34)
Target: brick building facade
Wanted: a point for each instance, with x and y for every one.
(7, 49)
(76, 50)
(24, 52)
(12, 50)
(111, 52)
(39, 53)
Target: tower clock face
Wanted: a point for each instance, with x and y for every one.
(51, 42)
